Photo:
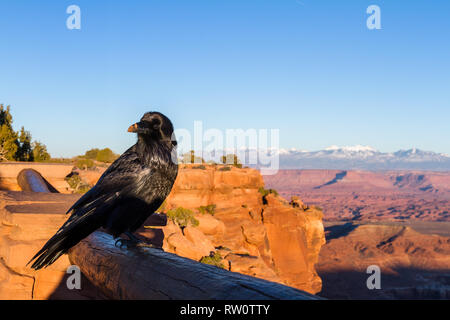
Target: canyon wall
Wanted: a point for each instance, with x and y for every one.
(260, 236)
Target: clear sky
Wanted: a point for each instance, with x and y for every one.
(310, 68)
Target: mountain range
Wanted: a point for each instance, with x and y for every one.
(363, 158)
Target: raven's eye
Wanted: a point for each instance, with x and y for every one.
(156, 122)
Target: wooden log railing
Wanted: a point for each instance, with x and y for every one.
(31, 180)
(149, 273)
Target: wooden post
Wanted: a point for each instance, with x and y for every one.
(148, 273)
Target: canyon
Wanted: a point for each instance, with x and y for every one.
(369, 195)
(396, 220)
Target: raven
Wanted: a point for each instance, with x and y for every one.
(129, 191)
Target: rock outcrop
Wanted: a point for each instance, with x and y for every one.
(27, 221)
(261, 236)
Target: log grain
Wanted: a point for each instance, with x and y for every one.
(32, 181)
(148, 273)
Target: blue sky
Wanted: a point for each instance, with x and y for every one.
(309, 68)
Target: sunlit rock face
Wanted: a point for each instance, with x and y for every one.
(266, 238)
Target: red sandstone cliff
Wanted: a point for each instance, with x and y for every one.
(273, 241)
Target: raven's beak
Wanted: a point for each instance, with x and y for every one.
(133, 128)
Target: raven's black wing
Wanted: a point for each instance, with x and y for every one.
(91, 210)
(119, 177)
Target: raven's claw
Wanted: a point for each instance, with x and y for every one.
(134, 242)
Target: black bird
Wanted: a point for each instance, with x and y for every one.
(132, 188)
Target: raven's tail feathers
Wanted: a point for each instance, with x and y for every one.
(72, 232)
(80, 225)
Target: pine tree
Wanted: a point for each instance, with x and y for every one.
(16, 146)
(9, 142)
(25, 151)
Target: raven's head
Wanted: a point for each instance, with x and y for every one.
(155, 126)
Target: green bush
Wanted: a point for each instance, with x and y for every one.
(209, 209)
(84, 164)
(225, 169)
(77, 184)
(213, 259)
(190, 157)
(266, 192)
(232, 159)
(200, 167)
(182, 217)
(92, 154)
(104, 155)
(40, 153)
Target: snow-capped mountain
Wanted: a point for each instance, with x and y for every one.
(364, 158)
(337, 158)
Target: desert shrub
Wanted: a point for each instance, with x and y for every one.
(106, 155)
(92, 154)
(214, 259)
(232, 159)
(266, 192)
(200, 167)
(62, 160)
(77, 184)
(182, 217)
(209, 209)
(190, 157)
(84, 164)
(225, 169)
(102, 155)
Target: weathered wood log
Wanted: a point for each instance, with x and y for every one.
(31, 180)
(148, 273)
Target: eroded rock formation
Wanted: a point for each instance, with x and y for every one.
(266, 238)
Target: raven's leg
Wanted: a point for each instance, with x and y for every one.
(134, 242)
